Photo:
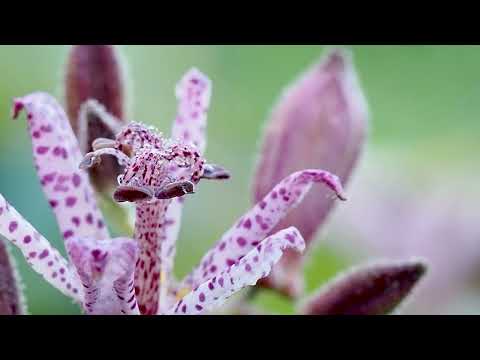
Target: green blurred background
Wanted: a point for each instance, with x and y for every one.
(424, 104)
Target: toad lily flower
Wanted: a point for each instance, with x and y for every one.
(134, 275)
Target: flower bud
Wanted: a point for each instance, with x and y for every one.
(370, 290)
(94, 73)
(320, 122)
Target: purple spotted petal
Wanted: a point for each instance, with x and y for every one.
(257, 223)
(11, 299)
(95, 72)
(57, 157)
(193, 94)
(106, 271)
(38, 252)
(371, 290)
(319, 122)
(256, 264)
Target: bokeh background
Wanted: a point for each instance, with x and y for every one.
(415, 191)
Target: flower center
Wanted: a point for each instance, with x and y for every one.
(155, 167)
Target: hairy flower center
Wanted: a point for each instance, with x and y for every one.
(155, 167)
(160, 172)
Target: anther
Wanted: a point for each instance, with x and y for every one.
(176, 189)
(89, 161)
(103, 143)
(131, 194)
(215, 172)
(93, 158)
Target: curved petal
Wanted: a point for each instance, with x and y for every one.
(106, 270)
(257, 223)
(38, 252)
(57, 158)
(246, 272)
(320, 122)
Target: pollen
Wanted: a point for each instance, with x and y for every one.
(163, 277)
(182, 293)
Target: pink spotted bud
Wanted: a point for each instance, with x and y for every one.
(320, 122)
(11, 301)
(371, 290)
(95, 102)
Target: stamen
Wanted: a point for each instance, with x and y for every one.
(93, 107)
(176, 189)
(215, 172)
(131, 194)
(103, 143)
(89, 161)
(94, 158)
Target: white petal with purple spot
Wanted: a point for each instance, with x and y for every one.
(255, 265)
(38, 252)
(57, 157)
(257, 223)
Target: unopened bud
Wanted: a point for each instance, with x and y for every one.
(320, 122)
(95, 98)
(371, 290)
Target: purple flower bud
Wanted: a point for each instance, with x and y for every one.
(94, 73)
(320, 122)
(371, 290)
(11, 302)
